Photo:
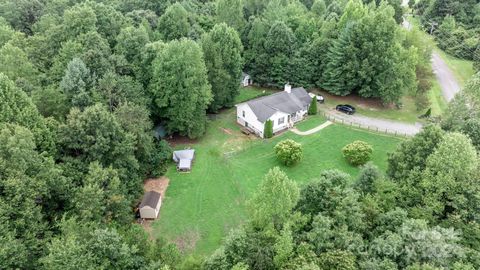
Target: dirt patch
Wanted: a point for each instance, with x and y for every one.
(227, 131)
(175, 140)
(157, 184)
(366, 103)
(187, 241)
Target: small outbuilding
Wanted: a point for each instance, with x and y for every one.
(184, 159)
(246, 80)
(150, 206)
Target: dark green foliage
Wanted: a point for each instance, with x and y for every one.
(96, 135)
(312, 109)
(173, 24)
(222, 52)
(180, 88)
(357, 153)
(412, 154)
(463, 112)
(367, 58)
(454, 24)
(280, 45)
(231, 13)
(268, 129)
(17, 108)
(369, 175)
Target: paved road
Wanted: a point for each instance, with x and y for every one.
(382, 125)
(445, 77)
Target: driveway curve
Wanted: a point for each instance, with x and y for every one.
(445, 77)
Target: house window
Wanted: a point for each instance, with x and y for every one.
(281, 120)
(243, 113)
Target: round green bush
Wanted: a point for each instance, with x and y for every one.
(289, 152)
(357, 153)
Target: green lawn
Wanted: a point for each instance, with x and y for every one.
(437, 101)
(251, 92)
(202, 206)
(310, 122)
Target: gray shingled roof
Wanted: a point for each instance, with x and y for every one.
(151, 199)
(264, 107)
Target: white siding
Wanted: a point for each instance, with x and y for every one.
(249, 118)
(257, 126)
(276, 126)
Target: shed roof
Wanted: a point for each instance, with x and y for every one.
(185, 164)
(150, 199)
(265, 107)
(183, 154)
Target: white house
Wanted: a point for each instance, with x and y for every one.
(150, 205)
(246, 80)
(284, 109)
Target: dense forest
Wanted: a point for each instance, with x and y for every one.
(455, 25)
(83, 83)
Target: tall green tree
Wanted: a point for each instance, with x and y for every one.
(130, 43)
(18, 108)
(77, 84)
(222, 50)
(79, 19)
(173, 24)
(96, 135)
(15, 64)
(280, 45)
(451, 178)
(368, 58)
(231, 13)
(180, 88)
(274, 200)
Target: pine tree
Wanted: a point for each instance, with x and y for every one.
(312, 110)
(268, 129)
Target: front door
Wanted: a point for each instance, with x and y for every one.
(246, 124)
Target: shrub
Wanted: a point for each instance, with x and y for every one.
(289, 152)
(268, 129)
(312, 110)
(357, 153)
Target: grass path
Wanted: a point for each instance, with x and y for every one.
(311, 131)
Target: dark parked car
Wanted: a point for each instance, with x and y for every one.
(348, 109)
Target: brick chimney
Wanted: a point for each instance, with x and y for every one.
(288, 88)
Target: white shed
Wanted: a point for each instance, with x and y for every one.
(184, 159)
(150, 205)
(246, 80)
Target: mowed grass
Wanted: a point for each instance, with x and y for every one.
(312, 121)
(251, 92)
(201, 207)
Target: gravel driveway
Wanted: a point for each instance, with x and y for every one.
(382, 125)
(445, 77)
